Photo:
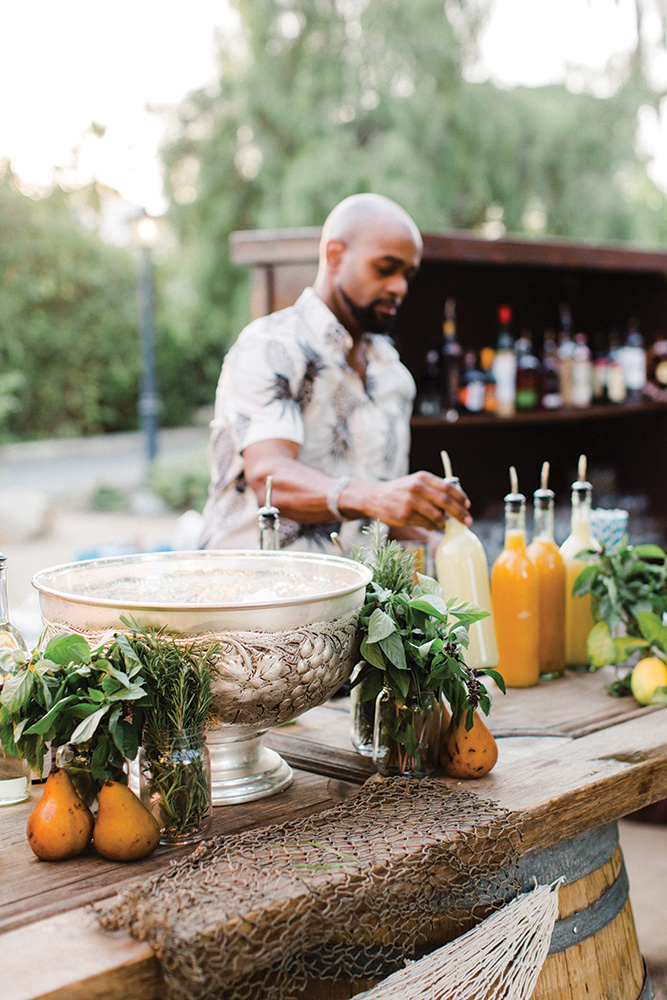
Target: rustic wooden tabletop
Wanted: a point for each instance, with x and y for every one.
(570, 759)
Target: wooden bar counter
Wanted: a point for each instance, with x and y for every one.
(571, 759)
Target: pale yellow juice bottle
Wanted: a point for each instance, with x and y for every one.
(462, 571)
(578, 615)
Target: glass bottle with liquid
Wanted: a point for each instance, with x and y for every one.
(504, 365)
(462, 571)
(14, 773)
(546, 557)
(515, 601)
(451, 359)
(578, 615)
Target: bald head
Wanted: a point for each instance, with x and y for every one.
(364, 213)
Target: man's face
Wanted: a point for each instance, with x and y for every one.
(371, 278)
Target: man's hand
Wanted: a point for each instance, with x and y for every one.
(418, 500)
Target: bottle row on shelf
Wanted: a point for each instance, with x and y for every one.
(510, 377)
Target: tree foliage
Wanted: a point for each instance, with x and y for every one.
(68, 352)
(319, 99)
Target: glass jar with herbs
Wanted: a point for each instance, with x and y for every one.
(412, 641)
(174, 762)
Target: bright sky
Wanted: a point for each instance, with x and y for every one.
(67, 63)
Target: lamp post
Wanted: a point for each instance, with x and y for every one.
(147, 233)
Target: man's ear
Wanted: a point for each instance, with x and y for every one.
(335, 249)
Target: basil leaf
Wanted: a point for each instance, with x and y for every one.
(16, 690)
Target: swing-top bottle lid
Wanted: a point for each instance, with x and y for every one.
(543, 497)
(514, 501)
(581, 486)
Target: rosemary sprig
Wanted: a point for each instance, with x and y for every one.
(177, 680)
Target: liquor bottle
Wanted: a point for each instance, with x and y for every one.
(527, 373)
(633, 360)
(548, 562)
(578, 615)
(451, 360)
(515, 598)
(616, 388)
(582, 372)
(600, 369)
(428, 390)
(14, 773)
(462, 571)
(565, 355)
(486, 356)
(473, 385)
(504, 365)
(656, 364)
(549, 381)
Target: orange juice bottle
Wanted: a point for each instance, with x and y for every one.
(578, 616)
(515, 599)
(546, 557)
(462, 571)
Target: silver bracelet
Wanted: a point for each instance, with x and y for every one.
(333, 496)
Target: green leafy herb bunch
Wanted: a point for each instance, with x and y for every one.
(628, 589)
(70, 693)
(413, 640)
(177, 675)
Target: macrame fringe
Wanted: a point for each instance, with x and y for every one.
(499, 958)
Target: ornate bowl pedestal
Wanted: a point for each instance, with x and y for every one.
(244, 769)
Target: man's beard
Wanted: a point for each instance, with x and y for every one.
(369, 320)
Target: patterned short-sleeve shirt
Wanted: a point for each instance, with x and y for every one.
(286, 377)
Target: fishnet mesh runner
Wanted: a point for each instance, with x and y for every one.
(499, 958)
(351, 892)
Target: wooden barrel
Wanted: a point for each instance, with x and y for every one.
(594, 953)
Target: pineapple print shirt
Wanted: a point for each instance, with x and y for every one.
(286, 377)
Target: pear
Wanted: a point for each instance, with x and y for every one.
(61, 824)
(124, 830)
(468, 753)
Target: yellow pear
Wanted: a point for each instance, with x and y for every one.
(61, 824)
(124, 829)
(468, 753)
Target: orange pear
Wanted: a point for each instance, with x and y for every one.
(468, 753)
(124, 829)
(61, 824)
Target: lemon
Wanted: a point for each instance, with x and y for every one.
(7, 640)
(648, 675)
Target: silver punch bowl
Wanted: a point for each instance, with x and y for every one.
(285, 622)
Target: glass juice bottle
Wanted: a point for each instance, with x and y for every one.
(545, 556)
(14, 773)
(578, 616)
(462, 571)
(515, 599)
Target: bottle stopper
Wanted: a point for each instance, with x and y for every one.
(268, 518)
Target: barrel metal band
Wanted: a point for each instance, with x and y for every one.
(570, 859)
(587, 922)
(647, 989)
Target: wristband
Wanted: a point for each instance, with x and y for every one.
(333, 496)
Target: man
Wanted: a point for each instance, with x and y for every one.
(316, 397)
